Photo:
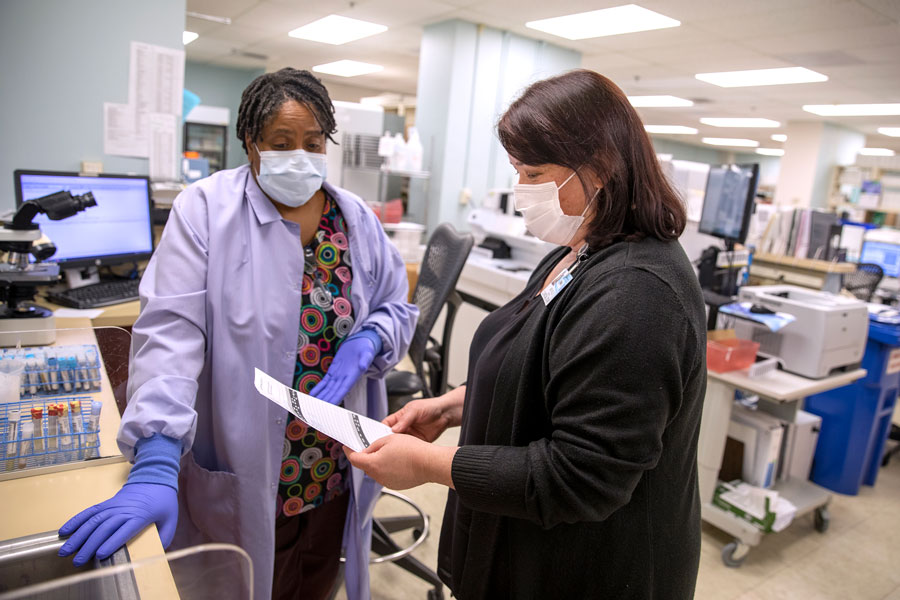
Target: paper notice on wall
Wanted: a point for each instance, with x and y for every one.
(121, 131)
(349, 428)
(156, 79)
(163, 147)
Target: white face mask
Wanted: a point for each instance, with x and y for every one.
(544, 217)
(291, 177)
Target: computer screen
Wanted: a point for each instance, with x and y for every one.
(883, 254)
(728, 203)
(117, 230)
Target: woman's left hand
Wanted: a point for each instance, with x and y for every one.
(399, 461)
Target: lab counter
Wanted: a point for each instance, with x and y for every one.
(40, 500)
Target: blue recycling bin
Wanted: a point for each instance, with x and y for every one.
(856, 418)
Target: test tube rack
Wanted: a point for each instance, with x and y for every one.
(57, 370)
(77, 436)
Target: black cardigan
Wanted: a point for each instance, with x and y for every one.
(585, 485)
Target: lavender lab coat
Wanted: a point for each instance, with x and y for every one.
(221, 296)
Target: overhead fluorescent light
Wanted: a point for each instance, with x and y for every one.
(211, 18)
(731, 142)
(779, 137)
(876, 152)
(336, 30)
(739, 122)
(347, 68)
(852, 110)
(188, 36)
(770, 151)
(671, 129)
(599, 23)
(762, 77)
(658, 101)
(891, 131)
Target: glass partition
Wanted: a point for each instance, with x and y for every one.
(205, 572)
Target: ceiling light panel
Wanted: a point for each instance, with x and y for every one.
(760, 77)
(347, 68)
(671, 129)
(617, 20)
(891, 131)
(188, 36)
(876, 152)
(779, 137)
(853, 110)
(739, 122)
(336, 30)
(731, 142)
(658, 101)
(770, 151)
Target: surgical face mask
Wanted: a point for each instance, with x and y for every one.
(290, 177)
(544, 217)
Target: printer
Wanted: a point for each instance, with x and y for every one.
(829, 334)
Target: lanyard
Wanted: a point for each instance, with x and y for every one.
(564, 278)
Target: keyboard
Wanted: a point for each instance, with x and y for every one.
(95, 295)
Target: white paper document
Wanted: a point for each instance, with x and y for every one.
(163, 147)
(121, 131)
(156, 79)
(349, 428)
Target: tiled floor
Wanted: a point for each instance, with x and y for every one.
(858, 557)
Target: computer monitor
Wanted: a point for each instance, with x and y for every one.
(728, 203)
(118, 230)
(883, 254)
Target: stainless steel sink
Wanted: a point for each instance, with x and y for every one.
(32, 560)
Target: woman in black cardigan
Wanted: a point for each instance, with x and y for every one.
(576, 470)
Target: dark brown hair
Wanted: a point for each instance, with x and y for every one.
(583, 121)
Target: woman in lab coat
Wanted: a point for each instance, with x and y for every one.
(576, 472)
(265, 266)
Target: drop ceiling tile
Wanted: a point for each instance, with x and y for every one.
(221, 8)
(396, 13)
(821, 16)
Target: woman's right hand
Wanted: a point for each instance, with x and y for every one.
(428, 418)
(423, 419)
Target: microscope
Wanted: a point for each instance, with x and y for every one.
(21, 321)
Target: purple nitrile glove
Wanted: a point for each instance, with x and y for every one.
(149, 496)
(352, 359)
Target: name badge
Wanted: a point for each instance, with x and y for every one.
(556, 286)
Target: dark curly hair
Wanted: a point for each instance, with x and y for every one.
(265, 95)
(582, 119)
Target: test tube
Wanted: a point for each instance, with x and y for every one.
(52, 434)
(77, 427)
(11, 441)
(94, 428)
(31, 367)
(26, 431)
(64, 376)
(65, 440)
(37, 433)
(83, 373)
(94, 363)
(52, 370)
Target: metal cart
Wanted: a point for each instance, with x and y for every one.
(782, 394)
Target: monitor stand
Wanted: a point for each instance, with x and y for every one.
(76, 278)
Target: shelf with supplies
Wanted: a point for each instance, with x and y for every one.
(869, 192)
(805, 272)
(360, 154)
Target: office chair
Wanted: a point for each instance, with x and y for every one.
(445, 257)
(862, 282)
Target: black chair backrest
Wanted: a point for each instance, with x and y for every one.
(862, 282)
(445, 257)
